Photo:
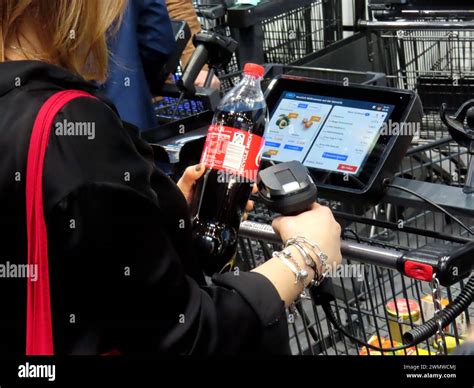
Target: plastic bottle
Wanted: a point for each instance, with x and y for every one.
(231, 156)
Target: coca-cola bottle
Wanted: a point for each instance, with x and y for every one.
(231, 156)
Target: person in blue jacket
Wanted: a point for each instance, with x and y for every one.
(145, 34)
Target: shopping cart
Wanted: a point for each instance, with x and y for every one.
(439, 64)
(273, 31)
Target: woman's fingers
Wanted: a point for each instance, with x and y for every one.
(191, 175)
(189, 178)
(249, 206)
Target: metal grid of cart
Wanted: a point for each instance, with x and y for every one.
(291, 36)
(439, 65)
(362, 298)
(291, 33)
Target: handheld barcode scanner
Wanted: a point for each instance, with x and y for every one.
(287, 188)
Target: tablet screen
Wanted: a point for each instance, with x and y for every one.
(327, 133)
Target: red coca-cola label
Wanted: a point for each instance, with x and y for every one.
(233, 151)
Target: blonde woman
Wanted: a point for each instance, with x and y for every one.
(123, 272)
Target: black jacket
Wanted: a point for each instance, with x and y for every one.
(123, 272)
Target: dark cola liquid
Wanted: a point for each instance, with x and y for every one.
(220, 198)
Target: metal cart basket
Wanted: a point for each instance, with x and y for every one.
(274, 31)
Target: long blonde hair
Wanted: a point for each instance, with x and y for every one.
(73, 32)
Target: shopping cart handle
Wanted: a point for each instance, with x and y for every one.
(450, 264)
(364, 253)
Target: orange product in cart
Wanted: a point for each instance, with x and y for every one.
(385, 343)
(402, 313)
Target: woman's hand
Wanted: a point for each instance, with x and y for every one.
(317, 225)
(188, 181)
(201, 79)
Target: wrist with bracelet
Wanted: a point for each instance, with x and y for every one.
(287, 258)
(322, 269)
(313, 257)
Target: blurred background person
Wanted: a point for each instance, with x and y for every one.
(145, 36)
(184, 10)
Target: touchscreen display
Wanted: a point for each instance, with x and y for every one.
(326, 133)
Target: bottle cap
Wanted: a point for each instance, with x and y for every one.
(254, 69)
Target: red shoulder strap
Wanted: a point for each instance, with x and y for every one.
(39, 330)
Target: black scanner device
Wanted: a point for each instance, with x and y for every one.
(287, 188)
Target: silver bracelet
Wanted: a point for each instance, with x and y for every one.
(315, 247)
(308, 259)
(300, 274)
(318, 272)
(303, 274)
(323, 258)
